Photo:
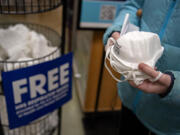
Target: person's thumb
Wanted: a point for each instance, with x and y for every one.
(148, 70)
(164, 79)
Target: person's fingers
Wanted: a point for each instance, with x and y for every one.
(165, 79)
(145, 86)
(148, 70)
(110, 42)
(116, 35)
(149, 87)
(132, 83)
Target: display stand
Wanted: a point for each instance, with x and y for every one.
(30, 7)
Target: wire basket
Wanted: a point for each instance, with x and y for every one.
(46, 125)
(27, 6)
(49, 123)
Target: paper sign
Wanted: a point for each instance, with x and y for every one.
(37, 90)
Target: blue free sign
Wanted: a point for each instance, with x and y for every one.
(37, 90)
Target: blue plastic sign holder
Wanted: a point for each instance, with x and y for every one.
(37, 90)
(99, 14)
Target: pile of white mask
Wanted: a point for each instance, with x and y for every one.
(129, 51)
(19, 43)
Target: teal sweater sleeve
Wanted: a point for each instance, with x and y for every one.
(170, 61)
(131, 7)
(173, 97)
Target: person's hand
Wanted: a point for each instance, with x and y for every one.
(158, 87)
(114, 35)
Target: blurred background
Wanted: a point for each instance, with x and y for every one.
(95, 106)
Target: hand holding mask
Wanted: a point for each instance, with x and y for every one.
(129, 51)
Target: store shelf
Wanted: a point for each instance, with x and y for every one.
(96, 89)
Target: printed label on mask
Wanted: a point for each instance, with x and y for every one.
(116, 49)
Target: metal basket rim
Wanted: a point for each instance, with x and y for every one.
(33, 59)
(35, 12)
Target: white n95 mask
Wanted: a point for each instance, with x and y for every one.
(129, 51)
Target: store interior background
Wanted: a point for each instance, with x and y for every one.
(95, 106)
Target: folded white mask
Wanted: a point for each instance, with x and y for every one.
(129, 51)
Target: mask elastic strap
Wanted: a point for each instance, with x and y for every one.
(111, 39)
(107, 58)
(136, 81)
(114, 64)
(157, 77)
